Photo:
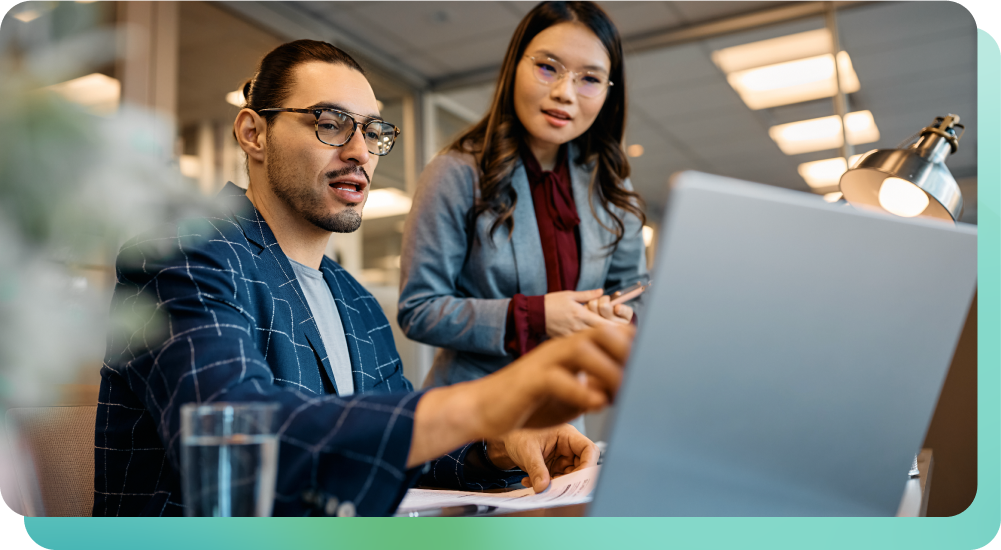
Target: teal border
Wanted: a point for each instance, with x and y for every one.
(972, 529)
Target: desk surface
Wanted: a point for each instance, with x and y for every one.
(914, 502)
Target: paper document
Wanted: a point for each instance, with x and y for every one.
(572, 488)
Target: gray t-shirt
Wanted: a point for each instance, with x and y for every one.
(328, 320)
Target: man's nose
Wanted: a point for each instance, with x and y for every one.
(355, 150)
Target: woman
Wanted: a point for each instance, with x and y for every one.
(525, 222)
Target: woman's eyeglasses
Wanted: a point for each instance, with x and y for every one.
(335, 127)
(550, 71)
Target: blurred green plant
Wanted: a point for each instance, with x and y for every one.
(73, 187)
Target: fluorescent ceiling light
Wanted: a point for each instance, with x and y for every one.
(794, 81)
(236, 98)
(387, 202)
(861, 127)
(773, 50)
(28, 15)
(97, 91)
(823, 133)
(820, 174)
(191, 166)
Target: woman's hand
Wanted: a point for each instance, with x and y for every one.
(566, 312)
(603, 306)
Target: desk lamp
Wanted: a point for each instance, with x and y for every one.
(909, 181)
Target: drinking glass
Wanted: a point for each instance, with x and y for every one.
(229, 459)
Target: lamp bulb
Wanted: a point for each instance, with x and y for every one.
(901, 197)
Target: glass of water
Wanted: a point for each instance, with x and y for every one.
(229, 459)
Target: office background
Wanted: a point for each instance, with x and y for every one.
(432, 65)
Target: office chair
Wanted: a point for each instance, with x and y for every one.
(53, 452)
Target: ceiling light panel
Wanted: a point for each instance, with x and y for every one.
(27, 16)
(821, 174)
(236, 98)
(794, 81)
(383, 203)
(822, 133)
(98, 92)
(772, 51)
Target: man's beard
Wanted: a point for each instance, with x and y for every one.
(307, 200)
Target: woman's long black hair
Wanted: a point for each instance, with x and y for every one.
(495, 140)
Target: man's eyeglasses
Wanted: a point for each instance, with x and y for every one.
(335, 127)
(550, 71)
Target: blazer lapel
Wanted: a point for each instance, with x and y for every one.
(526, 242)
(593, 237)
(305, 332)
(350, 319)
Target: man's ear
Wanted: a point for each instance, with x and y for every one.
(251, 133)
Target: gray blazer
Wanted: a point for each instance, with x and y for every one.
(461, 305)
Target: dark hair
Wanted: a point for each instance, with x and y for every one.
(272, 83)
(495, 140)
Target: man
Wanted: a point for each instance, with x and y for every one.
(243, 306)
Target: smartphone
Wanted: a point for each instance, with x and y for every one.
(626, 294)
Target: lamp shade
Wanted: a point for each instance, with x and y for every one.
(911, 181)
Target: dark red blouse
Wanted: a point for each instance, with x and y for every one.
(556, 214)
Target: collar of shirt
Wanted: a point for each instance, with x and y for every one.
(558, 194)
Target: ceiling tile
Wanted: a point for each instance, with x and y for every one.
(954, 79)
(916, 59)
(801, 111)
(644, 132)
(879, 25)
(427, 24)
(466, 55)
(656, 151)
(331, 3)
(423, 63)
(696, 12)
(719, 129)
(763, 33)
(918, 113)
(748, 150)
(691, 102)
(655, 70)
(643, 128)
(369, 32)
(520, 9)
(898, 125)
(633, 18)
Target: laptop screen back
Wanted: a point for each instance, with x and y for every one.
(789, 357)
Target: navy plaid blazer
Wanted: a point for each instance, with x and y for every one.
(215, 313)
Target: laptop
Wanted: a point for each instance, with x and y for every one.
(789, 357)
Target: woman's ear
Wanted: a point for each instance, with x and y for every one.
(250, 132)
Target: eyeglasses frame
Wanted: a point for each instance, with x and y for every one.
(575, 80)
(354, 128)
